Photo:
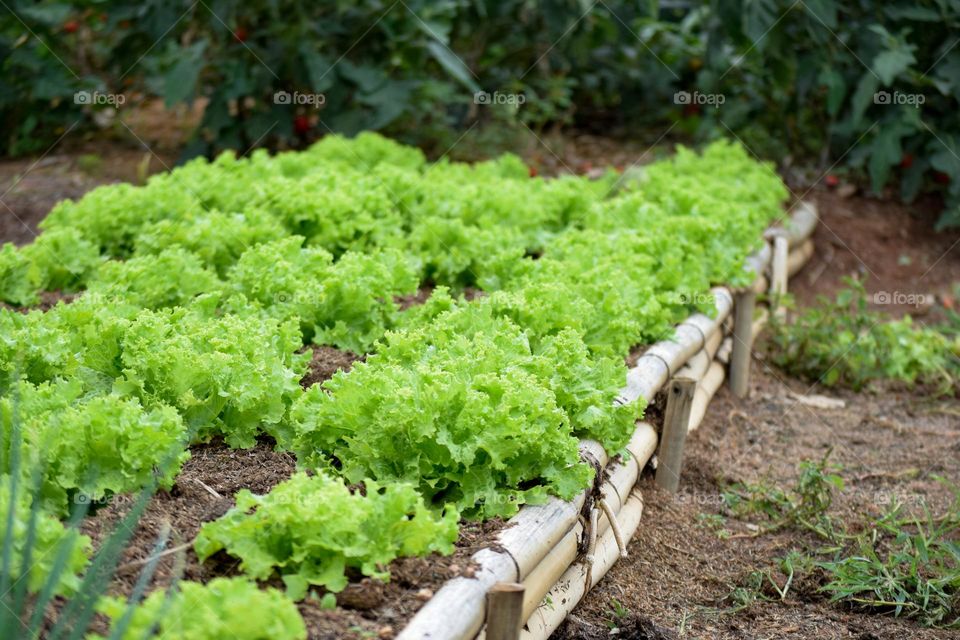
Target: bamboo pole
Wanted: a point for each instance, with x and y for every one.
(800, 225)
(505, 611)
(539, 622)
(623, 475)
(723, 353)
(675, 423)
(696, 367)
(660, 361)
(705, 391)
(799, 257)
(742, 343)
(757, 262)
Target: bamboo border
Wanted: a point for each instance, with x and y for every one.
(539, 547)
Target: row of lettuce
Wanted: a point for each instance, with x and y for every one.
(201, 289)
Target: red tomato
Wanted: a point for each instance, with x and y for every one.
(691, 110)
(301, 124)
(533, 171)
(906, 161)
(831, 180)
(941, 177)
(240, 34)
(71, 26)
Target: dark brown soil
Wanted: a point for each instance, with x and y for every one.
(29, 188)
(327, 361)
(628, 626)
(422, 295)
(892, 247)
(368, 608)
(48, 300)
(202, 492)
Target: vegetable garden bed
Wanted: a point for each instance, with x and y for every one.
(199, 293)
(542, 546)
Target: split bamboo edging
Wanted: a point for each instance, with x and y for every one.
(558, 600)
(540, 545)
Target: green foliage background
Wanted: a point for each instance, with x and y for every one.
(798, 75)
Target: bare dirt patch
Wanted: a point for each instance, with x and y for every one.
(893, 247)
(213, 469)
(325, 362)
(30, 188)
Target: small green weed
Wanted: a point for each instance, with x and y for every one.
(715, 523)
(90, 163)
(618, 613)
(898, 563)
(904, 565)
(844, 343)
(804, 506)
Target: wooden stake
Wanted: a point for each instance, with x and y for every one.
(504, 611)
(675, 422)
(742, 343)
(778, 284)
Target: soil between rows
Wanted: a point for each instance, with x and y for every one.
(366, 606)
(204, 490)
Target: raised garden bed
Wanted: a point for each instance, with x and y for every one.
(203, 304)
